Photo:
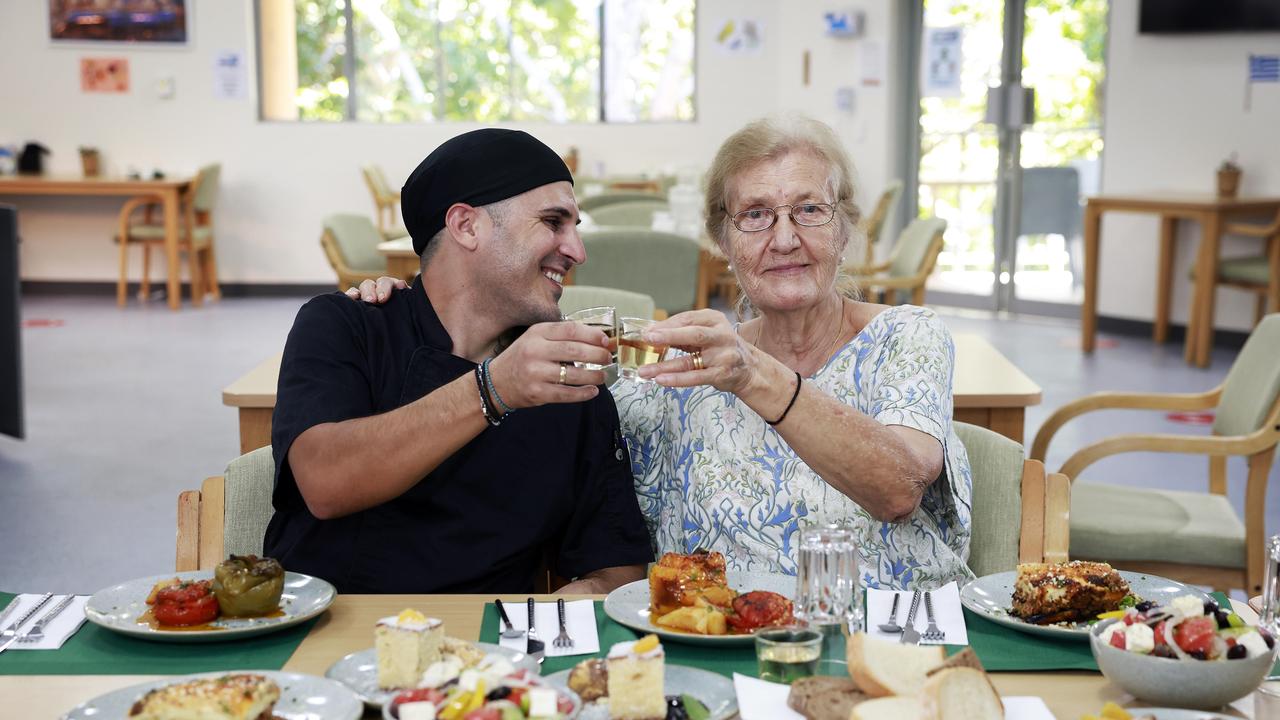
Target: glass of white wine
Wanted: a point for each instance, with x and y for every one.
(604, 319)
(787, 653)
(634, 352)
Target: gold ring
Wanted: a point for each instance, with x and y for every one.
(697, 361)
(564, 373)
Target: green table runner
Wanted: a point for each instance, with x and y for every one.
(96, 651)
(1000, 649)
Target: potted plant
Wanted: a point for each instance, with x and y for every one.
(1228, 177)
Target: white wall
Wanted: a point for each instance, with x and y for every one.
(280, 178)
(1174, 111)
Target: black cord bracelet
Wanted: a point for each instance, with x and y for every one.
(489, 415)
(794, 395)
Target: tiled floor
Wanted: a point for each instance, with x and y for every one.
(124, 411)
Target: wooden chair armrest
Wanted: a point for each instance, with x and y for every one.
(187, 556)
(134, 203)
(1117, 400)
(1046, 510)
(888, 283)
(870, 269)
(1057, 518)
(660, 314)
(1251, 230)
(212, 520)
(1166, 443)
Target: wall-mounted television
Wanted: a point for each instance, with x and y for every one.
(1208, 16)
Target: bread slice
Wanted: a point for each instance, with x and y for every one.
(888, 708)
(965, 658)
(824, 698)
(882, 668)
(960, 693)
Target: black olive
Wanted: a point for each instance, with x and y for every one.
(1198, 654)
(675, 708)
(1223, 622)
(1164, 651)
(1210, 607)
(1144, 606)
(1271, 642)
(1236, 652)
(498, 693)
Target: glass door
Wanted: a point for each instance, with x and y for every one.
(1003, 164)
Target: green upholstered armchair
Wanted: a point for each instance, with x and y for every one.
(1019, 511)
(911, 263)
(633, 213)
(660, 265)
(1188, 536)
(351, 244)
(386, 203)
(625, 302)
(228, 514)
(195, 236)
(594, 202)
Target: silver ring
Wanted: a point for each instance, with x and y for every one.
(564, 373)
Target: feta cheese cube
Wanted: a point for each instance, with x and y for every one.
(1188, 605)
(542, 702)
(423, 710)
(1139, 638)
(1117, 627)
(1254, 644)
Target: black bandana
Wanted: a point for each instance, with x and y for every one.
(476, 168)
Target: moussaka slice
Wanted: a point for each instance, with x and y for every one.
(229, 697)
(1047, 594)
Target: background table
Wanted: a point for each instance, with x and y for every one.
(348, 628)
(989, 391)
(1211, 212)
(402, 261)
(167, 193)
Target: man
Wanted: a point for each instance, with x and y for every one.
(398, 467)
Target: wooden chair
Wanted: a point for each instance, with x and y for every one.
(625, 302)
(351, 244)
(594, 202)
(228, 514)
(1007, 489)
(195, 237)
(875, 223)
(633, 213)
(661, 265)
(386, 203)
(911, 263)
(1193, 537)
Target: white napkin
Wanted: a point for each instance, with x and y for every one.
(57, 631)
(947, 611)
(579, 620)
(762, 700)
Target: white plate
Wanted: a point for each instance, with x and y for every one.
(302, 697)
(359, 671)
(117, 609)
(991, 596)
(713, 689)
(629, 605)
(1178, 714)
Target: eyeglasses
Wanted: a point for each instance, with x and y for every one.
(806, 214)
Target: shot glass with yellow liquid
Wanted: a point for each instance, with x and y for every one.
(787, 653)
(604, 319)
(634, 352)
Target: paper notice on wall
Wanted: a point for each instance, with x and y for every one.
(229, 76)
(871, 59)
(942, 62)
(739, 36)
(104, 75)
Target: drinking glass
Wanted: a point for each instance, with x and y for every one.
(1266, 701)
(605, 319)
(827, 591)
(634, 352)
(787, 653)
(1269, 618)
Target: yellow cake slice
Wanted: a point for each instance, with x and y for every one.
(406, 645)
(635, 680)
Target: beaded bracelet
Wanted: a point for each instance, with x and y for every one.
(489, 416)
(794, 395)
(488, 381)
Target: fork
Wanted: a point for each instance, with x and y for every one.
(10, 635)
(932, 633)
(36, 632)
(562, 640)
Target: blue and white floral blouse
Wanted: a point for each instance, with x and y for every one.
(710, 473)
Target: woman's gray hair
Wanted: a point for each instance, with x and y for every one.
(770, 138)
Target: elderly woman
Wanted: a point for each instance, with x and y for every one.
(819, 409)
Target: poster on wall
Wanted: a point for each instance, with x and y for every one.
(943, 59)
(104, 75)
(739, 36)
(134, 21)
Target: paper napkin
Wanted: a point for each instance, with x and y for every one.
(762, 700)
(57, 631)
(579, 619)
(947, 611)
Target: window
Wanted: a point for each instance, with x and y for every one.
(396, 61)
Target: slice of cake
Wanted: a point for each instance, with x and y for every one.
(406, 645)
(635, 680)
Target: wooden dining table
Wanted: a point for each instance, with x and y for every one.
(167, 192)
(989, 391)
(1211, 213)
(347, 627)
(402, 261)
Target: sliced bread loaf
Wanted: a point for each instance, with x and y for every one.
(888, 708)
(960, 693)
(882, 668)
(824, 698)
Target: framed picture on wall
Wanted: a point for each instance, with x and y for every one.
(149, 22)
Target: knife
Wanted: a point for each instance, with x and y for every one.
(910, 635)
(12, 630)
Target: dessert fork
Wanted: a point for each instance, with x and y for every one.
(932, 633)
(562, 640)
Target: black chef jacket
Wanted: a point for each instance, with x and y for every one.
(554, 478)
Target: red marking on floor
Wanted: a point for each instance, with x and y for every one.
(43, 323)
(1191, 418)
(1099, 344)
